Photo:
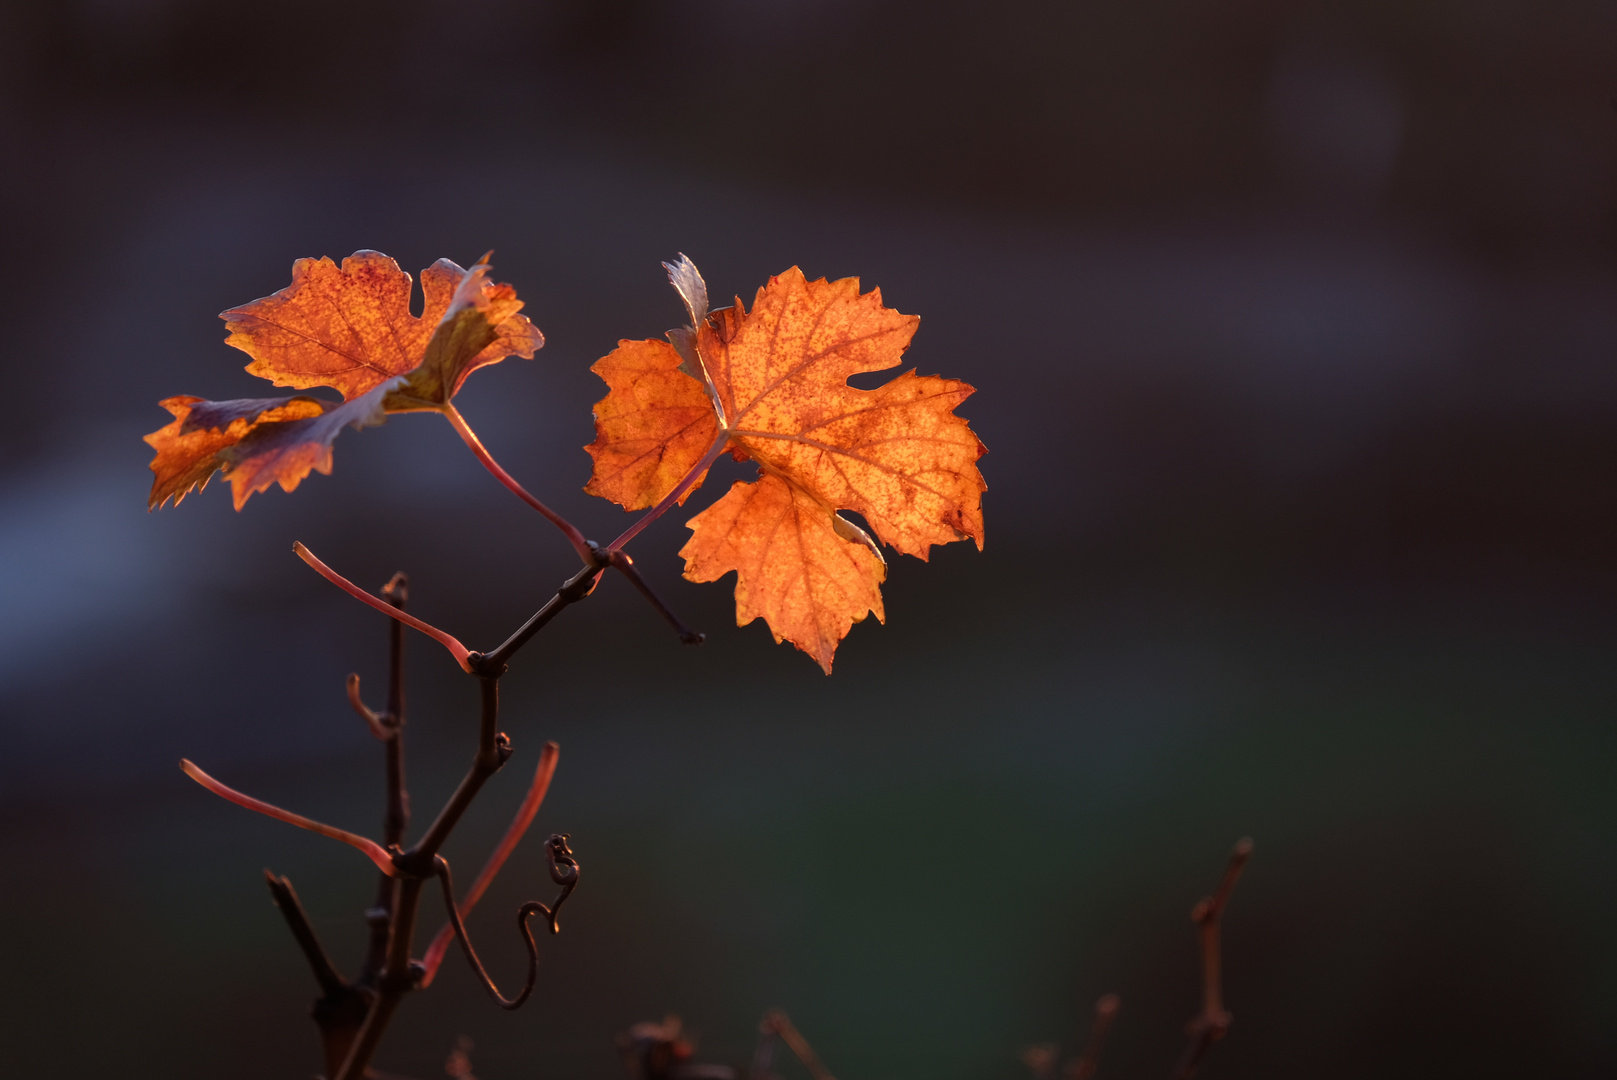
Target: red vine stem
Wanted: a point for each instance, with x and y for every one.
(508, 842)
(469, 437)
(674, 496)
(371, 848)
(448, 641)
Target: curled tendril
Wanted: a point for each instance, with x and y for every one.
(563, 871)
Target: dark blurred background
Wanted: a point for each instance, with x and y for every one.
(1293, 326)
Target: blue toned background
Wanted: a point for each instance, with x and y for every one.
(1294, 329)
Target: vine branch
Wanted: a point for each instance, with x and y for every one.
(1212, 1023)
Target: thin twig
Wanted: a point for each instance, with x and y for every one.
(572, 591)
(396, 817)
(286, 898)
(340, 1009)
(624, 565)
(1083, 1068)
(379, 723)
(782, 1025)
(1212, 1022)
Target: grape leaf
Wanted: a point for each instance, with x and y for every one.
(652, 428)
(792, 566)
(348, 328)
(897, 455)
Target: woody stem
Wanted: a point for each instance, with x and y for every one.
(417, 866)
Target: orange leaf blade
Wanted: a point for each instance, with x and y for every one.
(793, 568)
(897, 454)
(374, 851)
(195, 444)
(349, 327)
(478, 326)
(652, 428)
(346, 327)
(508, 843)
(284, 452)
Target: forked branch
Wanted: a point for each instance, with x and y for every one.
(341, 1007)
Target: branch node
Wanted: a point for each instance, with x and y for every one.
(397, 589)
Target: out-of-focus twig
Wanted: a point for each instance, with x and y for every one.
(776, 1024)
(1083, 1067)
(1213, 1021)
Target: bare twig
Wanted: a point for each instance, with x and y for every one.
(1083, 1067)
(776, 1022)
(340, 1009)
(624, 565)
(572, 591)
(396, 818)
(377, 722)
(1212, 1022)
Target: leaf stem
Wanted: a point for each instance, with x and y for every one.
(674, 496)
(469, 437)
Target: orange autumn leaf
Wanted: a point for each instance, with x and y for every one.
(348, 328)
(793, 568)
(651, 429)
(777, 392)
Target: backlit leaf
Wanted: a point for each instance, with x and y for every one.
(897, 455)
(348, 328)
